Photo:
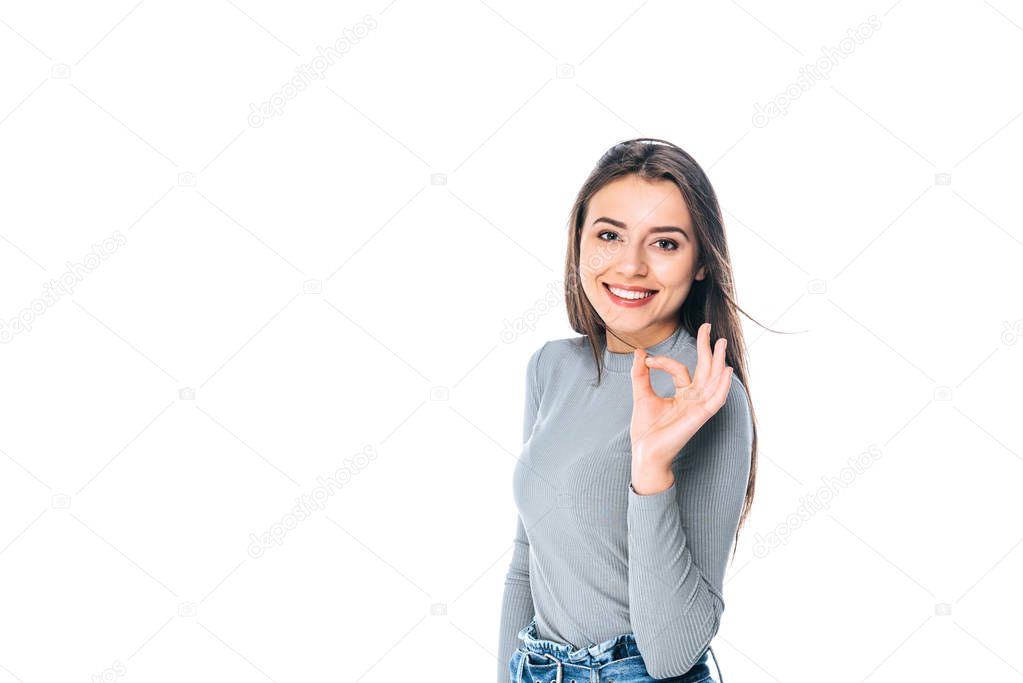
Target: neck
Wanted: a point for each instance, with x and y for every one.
(647, 337)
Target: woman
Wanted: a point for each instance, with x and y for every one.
(634, 475)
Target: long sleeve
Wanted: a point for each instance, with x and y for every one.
(517, 603)
(679, 540)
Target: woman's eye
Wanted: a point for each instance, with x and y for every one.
(672, 244)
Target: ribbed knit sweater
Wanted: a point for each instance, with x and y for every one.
(592, 558)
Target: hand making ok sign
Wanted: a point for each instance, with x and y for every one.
(660, 427)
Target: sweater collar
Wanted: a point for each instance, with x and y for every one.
(674, 343)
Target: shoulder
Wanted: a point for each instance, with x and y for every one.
(566, 345)
(555, 356)
(737, 394)
(735, 415)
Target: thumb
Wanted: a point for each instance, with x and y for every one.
(641, 375)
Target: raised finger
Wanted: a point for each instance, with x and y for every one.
(708, 384)
(678, 371)
(718, 361)
(703, 354)
(641, 375)
(723, 386)
(715, 362)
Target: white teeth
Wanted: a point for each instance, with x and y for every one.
(626, 294)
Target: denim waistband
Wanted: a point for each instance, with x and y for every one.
(602, 655)
(612, 649)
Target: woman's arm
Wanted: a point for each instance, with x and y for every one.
(680, 538)
(517, 603)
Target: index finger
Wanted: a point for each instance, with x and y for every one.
(678, 371)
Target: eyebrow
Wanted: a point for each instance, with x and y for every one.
(621, 226)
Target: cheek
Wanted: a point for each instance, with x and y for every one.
(675, 274)
(592, 262)
(591, 289)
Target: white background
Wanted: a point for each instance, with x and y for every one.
(326, 294)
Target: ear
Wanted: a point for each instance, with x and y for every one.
(701, 273)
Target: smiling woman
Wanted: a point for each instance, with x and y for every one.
(639, 266)
(632, 486)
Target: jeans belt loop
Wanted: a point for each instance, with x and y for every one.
(522, 665)
(558, 663)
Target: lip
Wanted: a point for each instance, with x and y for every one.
(629, 303)
(631, 288)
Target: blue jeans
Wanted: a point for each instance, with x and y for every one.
(616, 659)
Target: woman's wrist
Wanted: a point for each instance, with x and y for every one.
(647, 480)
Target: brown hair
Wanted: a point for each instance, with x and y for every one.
(711, 299)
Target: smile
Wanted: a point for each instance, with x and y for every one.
(628, 297)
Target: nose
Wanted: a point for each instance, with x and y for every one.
(629, 261)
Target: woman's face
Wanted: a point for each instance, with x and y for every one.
(637, 234)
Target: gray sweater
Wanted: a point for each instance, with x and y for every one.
(592, 558)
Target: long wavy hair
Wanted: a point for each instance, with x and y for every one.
(711, 299)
